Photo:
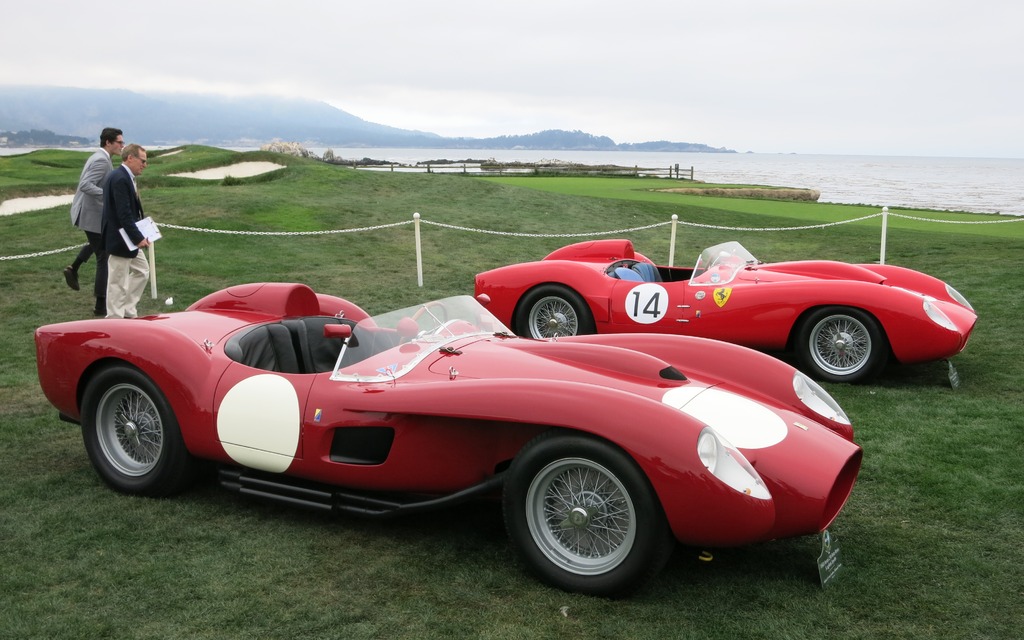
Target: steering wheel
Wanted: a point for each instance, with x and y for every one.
(620, 263)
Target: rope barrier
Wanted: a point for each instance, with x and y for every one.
(520, 234)
(41, 253)
(823, 225)
(284, 233)
(919, 219)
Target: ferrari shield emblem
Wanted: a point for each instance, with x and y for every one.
(721, 295)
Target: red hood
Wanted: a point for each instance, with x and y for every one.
(818, 269)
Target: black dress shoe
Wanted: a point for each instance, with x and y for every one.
(71, 277)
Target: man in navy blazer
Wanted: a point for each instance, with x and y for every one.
(87, 214)
(127, 267)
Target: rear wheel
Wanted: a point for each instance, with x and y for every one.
(841, 344)
(581, 515)
(132, 436)
(553, 310)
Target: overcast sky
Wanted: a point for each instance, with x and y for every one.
(886, 77)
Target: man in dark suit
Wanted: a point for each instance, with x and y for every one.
(127, 267)
(87, 214)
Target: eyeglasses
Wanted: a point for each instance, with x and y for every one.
(120, 142)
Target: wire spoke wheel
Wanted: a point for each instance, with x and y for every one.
(129, 429)
(553, 316)
(132, 435)
(842, 344)
(581, 516)
(552, 311)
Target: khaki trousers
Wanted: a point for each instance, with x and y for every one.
(126, 280)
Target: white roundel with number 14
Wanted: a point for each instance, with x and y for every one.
(647, 303)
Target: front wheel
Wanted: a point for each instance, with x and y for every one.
(841, 344)
(551, 311)
(581, 515)
(132, 436)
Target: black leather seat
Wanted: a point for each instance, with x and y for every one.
(316, 353)
(268, 347)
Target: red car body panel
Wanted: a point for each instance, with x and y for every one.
(761, 308)
(460, 413)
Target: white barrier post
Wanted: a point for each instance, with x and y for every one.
(152, 269)
(885, 227)
(419, 250)
(672, 242)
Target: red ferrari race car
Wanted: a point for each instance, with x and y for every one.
(843, 321)
(605, 450)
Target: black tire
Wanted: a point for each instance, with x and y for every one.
(553, 310)
(583, 517)
(132, 436)
(841, 344)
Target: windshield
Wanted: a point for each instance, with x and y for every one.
(386, 346)
(719, 264)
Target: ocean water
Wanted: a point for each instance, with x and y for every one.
(977, 185)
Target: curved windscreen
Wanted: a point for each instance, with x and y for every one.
(719, 264)
(385, 346)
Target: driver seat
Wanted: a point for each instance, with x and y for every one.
(268, 347)
(647, 271)
(316, 353)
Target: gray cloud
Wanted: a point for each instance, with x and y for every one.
(873, 77)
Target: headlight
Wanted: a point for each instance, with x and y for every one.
(959, 297)
(817, 399)
(726, 463)
(937, 316)
(707, 449)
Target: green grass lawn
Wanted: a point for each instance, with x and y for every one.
(932, 538)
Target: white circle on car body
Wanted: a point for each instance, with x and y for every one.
(647, 303)
(746, 424)
(259, 421)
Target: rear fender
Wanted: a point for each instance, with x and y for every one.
(185, 372)
(507, 286)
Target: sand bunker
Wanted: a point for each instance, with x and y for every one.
(21, 205)
(239, 170)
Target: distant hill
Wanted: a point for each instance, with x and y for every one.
(178, 118)
(41, 138)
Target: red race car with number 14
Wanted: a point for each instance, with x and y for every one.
(843, 321)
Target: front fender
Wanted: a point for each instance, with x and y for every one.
(662, 441)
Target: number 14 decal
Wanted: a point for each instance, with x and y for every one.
(647, 303)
